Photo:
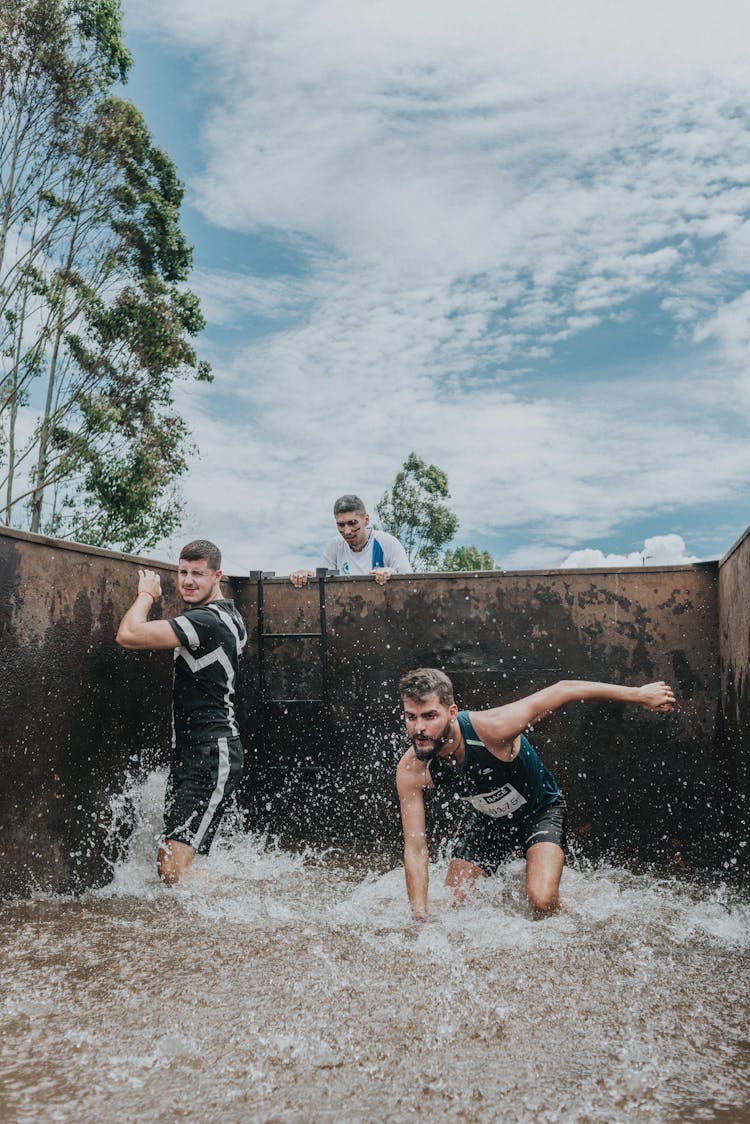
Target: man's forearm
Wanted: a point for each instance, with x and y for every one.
(652, 696)
(136, 616)
(416, 869)
(581, 690)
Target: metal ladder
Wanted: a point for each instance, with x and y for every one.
(266, 702)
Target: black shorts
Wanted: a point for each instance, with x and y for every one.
(487, 842)
(201, 780)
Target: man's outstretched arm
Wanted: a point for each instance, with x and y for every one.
(500, 726)
(136, 630)
(410, 784)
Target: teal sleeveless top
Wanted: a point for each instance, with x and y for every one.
(496, 788)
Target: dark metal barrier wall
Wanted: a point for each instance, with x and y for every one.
(734, 630)
(639, 784)
(79, 714)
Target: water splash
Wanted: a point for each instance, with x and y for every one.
(293, 986)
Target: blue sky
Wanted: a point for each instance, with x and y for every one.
(512, 238)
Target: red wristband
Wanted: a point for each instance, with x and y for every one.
(140, 591)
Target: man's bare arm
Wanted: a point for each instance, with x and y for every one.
(410, 783)
(136, 630)
(498, 728)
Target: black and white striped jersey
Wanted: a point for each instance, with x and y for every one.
(206, 665)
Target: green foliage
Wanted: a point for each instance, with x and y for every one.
(100, 22)
(468, 558)
(92, 270)
(126, 495)
(413, 510)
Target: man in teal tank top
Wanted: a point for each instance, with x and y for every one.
(485, 759)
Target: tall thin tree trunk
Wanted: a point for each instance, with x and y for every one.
(45, 431)
(14, 399)
(9, 188)
(13, 414)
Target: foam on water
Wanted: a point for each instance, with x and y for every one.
(294, 986)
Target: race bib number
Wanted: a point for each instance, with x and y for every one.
(502, 802)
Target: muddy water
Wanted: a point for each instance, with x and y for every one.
(294, 987)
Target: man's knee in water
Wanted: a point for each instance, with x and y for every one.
(461, 878)
(544, 867)
(173, 860)
(543, 902)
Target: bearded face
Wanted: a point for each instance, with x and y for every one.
(425, 748)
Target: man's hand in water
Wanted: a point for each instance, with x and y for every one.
(656, 696)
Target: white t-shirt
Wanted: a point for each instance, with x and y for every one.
(338, 555)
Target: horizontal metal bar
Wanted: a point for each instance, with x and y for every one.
(297, 765)
(525, 668)
(318, 702)
(276, 635)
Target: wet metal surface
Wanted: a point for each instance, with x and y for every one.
(639, 784)
(734, 633)
(78, 715)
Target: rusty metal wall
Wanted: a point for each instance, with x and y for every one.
(78, 714)
(734, 650)
(638, 783)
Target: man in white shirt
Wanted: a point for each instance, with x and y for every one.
(359, 549)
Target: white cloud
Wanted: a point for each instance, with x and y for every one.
(610, 42)
(659, 550)
(440, 152)
(228, 298)
(730, 325)
(570, 467)
(473, 189)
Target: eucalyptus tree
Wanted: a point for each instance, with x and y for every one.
(96, 322)
(413, 510)
(468, 558)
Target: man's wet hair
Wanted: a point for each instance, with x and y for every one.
(199, 549)
(349, 503)
(426, 681)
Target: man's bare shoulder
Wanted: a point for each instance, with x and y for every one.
(483, 721)
(411, 773)
(406, 760)
(495, 728)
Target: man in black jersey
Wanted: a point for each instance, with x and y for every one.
(484, 758)
(207, 639)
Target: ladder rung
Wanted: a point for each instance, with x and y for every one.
(319, 702)
(269, 707)
(298, 765)
(278, 635)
